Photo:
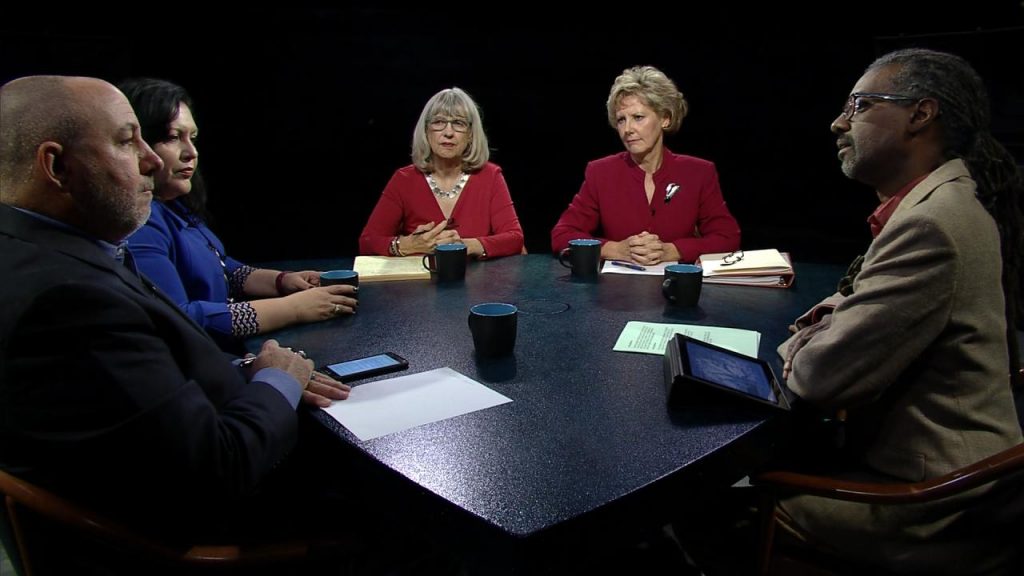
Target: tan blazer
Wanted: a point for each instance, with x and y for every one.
(918, 357)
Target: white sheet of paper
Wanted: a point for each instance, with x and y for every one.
(379, 408)
(655, 270)
(651, 337)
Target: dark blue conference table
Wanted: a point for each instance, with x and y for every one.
(588, 446)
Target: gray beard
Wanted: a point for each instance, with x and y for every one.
(111, 214)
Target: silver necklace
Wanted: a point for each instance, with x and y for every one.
(447, 194)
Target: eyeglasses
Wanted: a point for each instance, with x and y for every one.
(458, 125)
(732, 258)
(856, 102)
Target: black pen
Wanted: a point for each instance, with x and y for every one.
(451, 226)
(629, 265)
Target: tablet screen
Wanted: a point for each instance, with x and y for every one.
(741, 374)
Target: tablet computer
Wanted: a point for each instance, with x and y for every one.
(693, 364)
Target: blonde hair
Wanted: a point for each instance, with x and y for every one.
(655, 89)
(452, 103)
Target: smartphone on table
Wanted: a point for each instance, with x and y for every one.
(367, 366)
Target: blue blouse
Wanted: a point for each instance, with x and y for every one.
(181, 255)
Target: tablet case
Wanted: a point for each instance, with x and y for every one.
(680, 388)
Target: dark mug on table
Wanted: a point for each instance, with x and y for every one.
(493, 325)
(448, 261)
(682, 284)
(584, 257)
(334, 277)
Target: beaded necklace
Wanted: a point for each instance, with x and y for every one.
(449, 194)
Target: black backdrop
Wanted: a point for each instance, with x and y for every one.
(305, 112)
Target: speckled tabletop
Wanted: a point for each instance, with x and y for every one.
(588, 434)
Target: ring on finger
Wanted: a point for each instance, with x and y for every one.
(337, 308)
(301, 353)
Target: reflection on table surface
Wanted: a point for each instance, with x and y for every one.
(587, 427)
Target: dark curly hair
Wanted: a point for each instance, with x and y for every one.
(156, 104)
(965, 119)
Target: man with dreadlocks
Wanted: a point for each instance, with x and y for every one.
(919, 351)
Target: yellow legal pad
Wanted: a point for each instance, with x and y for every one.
(387, 268)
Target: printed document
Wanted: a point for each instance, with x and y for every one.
(652, 270)
(651, 337)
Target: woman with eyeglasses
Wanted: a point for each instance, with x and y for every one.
(648, 205)
(450, 193)
(181, 255)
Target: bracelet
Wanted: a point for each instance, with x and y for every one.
(395, 249)
(279, 283)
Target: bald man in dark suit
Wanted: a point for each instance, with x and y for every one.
(108, 393)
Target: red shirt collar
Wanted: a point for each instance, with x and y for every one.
(880, 217)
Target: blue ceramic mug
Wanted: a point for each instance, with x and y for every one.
(584, 257)
(332, 277)
(448, 262)
(682, 284)
(493, 325)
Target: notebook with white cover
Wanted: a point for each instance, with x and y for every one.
(769, 268)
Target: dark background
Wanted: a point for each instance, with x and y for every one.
(305, 112)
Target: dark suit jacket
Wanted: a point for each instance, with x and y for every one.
(111, 395)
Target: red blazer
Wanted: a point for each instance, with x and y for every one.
(483, 211)
(612, 206)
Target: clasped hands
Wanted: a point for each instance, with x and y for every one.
(802, 334)
(644, 248)
(428, 236)
(806, 326)
(317, 389)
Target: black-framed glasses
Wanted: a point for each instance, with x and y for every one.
(860, 101)
(732, 258)
(439, 124)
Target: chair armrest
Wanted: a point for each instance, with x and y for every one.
(22, 494)
(260, 554)
(998, 466)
